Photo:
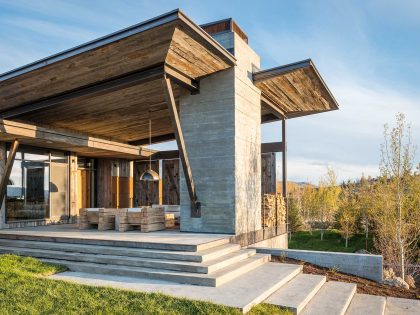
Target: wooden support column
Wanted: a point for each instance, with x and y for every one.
(284, 164)
(8, 169)
(173, 113)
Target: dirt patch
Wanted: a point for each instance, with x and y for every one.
(364, 286)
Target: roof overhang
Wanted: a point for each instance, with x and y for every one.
(58, 139)
(293, 90)
(112, 86)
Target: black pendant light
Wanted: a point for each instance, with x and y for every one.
(150, 175)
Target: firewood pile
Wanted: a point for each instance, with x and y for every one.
(148, 219)
(273, 210)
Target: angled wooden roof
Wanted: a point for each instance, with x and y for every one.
(294, 90)
(111, 86)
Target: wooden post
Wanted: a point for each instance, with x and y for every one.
(8, 170)
(284, 165)
(173, 113)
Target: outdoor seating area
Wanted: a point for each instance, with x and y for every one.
(144, 219)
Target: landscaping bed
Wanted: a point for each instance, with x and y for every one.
(364, 286)
(26, 290)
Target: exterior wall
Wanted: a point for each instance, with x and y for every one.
(221, 127)
(362, 265)
(277, 242)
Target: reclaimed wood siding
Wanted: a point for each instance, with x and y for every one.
(268, 173)
(145, 193)
(170, 185)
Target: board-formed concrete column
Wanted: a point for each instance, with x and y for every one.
(221, 127)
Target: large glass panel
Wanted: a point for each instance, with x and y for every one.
(32, 189)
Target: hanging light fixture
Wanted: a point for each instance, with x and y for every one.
(150, 175)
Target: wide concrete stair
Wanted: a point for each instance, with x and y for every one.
(217, 271)
(216, 263)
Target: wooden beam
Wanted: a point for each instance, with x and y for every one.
(156, 139)
(89, 91)
(269, 147)
(272, 107)
(173, 113)
(268, 118)
(66, 140)
(8, 170)
(182, 80)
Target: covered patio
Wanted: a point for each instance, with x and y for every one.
(78, 123)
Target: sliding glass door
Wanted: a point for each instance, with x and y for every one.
(38, 186)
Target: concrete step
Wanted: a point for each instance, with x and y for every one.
(295, 294)
(117, 243)
(332, 299)
(399, 306)
(184, 266)
(201, 256)
(243, 292)
(367, 304)
(214, 279)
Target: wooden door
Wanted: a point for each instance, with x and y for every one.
(84, 188)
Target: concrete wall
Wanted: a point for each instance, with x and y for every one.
(221, 127)
(362, 265)
(277, 242)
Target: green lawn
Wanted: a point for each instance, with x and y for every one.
(332, 242)
(25, 290)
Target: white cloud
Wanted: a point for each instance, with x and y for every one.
(307, 170)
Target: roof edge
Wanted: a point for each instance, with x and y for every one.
(268, 74)
(126, 32)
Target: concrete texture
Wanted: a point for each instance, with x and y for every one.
(214, 279)
(243, 292)
(106, 258)
(221, 127)
(200, 256)
(279, 241)
(396, 306)
(362, 265)
(367, 304)
(333, 298)
(297, 293)
(167, 240)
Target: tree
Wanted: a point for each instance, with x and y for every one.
(348, 211)
(328, 193)
(396, 203)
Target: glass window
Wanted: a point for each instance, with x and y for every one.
(29, 187)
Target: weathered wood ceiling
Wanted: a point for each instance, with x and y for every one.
(171, 40)
(296, 90)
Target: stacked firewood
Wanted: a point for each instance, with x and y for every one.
(273, 210)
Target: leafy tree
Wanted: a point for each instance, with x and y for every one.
(328, 193)
(348, 211)
(396, 200)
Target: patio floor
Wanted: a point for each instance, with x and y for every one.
(71, 232)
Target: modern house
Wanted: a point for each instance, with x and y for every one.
(74, 127)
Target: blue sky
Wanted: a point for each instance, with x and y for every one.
(368, 52)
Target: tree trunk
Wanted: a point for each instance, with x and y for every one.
(322, 234)
(347, 240)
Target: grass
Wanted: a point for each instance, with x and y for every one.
(332, 242)
(24, 289)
